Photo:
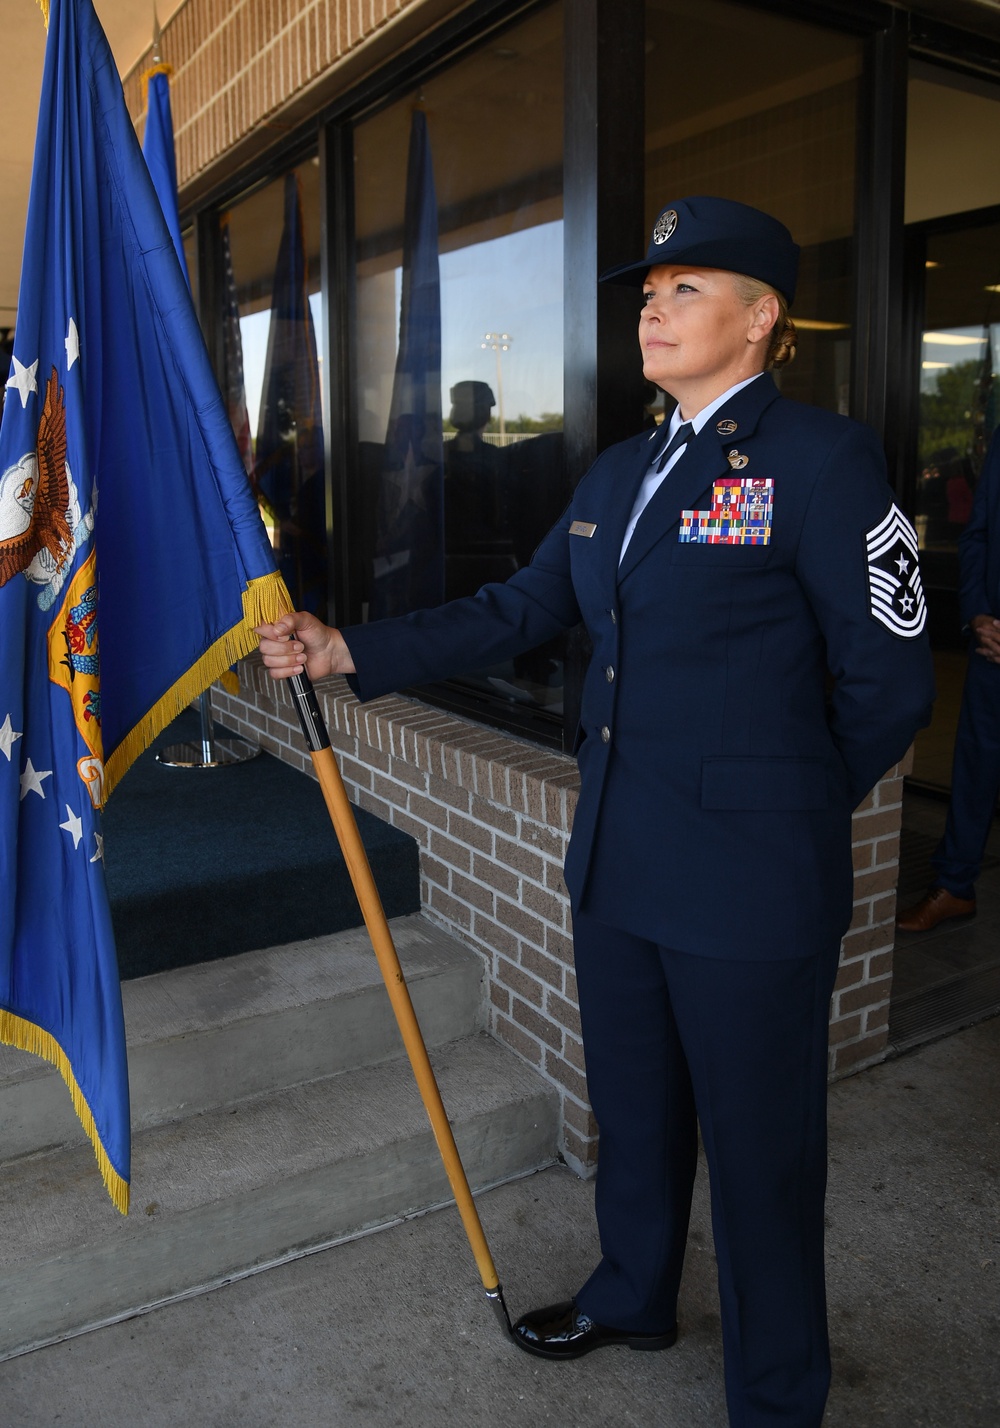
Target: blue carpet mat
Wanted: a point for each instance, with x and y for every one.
(207, 863)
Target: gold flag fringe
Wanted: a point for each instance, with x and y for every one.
(26, 1036)
(43, 5)
(161, 67)
(264, 600)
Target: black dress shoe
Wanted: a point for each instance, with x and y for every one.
(562, 1331)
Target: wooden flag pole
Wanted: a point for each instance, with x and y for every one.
(346, 828)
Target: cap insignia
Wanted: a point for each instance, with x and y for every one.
(665, 225)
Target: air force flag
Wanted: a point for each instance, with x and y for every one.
(133, 561)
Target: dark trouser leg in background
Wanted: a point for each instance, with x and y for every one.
(975, 781)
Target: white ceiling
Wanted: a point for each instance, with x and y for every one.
(128, 25)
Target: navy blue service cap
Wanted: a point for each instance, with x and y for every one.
(717, 233)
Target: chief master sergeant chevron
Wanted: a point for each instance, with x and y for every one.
(754, 601)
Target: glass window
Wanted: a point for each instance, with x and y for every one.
(272, 359)
(459, 339)
(763, 109)
(952, 119)
(959, 352)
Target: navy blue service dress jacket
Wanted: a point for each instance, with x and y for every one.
(741, 699)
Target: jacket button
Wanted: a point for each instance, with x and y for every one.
(609, 673)
(606, 734)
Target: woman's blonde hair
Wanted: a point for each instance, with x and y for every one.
(783, 337)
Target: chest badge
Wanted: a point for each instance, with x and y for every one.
(582, 528)
(737, 460)
(740, 514)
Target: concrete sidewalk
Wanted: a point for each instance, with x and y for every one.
(393, 1329)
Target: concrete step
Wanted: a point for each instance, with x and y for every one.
(227, 1191)
(218, 1032)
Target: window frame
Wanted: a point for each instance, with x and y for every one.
(603, 153)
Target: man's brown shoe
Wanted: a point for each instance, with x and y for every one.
(938, 906)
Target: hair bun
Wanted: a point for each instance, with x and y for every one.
(783, 347)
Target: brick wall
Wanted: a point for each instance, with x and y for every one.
(859, 1019)
(492, 814)
(246, 72)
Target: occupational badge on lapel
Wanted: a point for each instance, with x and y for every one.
(737, 460)
(583, 528)
(740, 514)
(896, 594)
(726, 427)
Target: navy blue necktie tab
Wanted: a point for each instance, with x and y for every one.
(680, 438)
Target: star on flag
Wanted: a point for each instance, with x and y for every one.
(31, 780)
(23, 380)
(72, 345)
(73, 826)
(8, 737)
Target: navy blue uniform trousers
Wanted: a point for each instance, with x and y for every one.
(975, 781)
(673, 1040)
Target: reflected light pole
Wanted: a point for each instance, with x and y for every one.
(499, 342)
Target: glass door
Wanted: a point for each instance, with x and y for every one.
(959, 355)
(953, 237)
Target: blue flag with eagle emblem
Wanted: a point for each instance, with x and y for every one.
(133, 561)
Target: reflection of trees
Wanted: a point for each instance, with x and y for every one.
(548, 421)
(951, 415)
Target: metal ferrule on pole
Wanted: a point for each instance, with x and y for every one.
(307, 707)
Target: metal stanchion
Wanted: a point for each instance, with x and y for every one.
(209, 752)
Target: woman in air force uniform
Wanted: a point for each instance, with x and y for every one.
(754, 601)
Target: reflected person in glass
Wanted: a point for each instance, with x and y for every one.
(478, 546)
(759, 661)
